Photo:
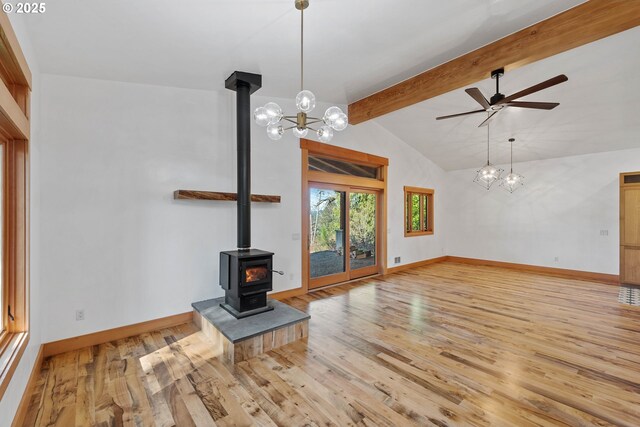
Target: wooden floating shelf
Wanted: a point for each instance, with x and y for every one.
(216, 195)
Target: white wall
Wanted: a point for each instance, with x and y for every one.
(409, 167)
(118, 246)
(14, 392)
(560, 212)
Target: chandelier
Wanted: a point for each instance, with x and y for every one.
(512, 181)
(270, 115)
(488, 174)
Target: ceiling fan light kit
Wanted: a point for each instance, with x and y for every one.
(488, 174)
(271, 115)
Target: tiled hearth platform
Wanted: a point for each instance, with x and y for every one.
(242, 339)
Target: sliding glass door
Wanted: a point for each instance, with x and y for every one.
(342, 233)
(327, 235)
(363, 231)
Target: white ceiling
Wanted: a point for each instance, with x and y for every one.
(353, 47)
(598, 111)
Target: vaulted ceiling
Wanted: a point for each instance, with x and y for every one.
(354, 48)
(598, 110)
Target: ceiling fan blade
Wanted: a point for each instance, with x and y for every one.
(536, 105)
(475, 93)
(460, 114)
(486, 121)
(535, 88)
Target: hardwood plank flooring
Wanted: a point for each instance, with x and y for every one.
(444, 345)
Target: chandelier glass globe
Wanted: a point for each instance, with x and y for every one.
(273, 112)
(305, 101)
(261, 116)
(335, 118)
(300, 133)
(331, 115)
(341, 122)
(325, 133)
(275, 131)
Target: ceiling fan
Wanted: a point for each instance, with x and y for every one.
(499, 101)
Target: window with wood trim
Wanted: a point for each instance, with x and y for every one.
(15, 90)
(327, 164)
(4, 290)
(418, 211)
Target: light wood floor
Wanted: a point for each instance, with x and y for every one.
(443, 345)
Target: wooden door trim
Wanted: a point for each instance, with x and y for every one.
(347, 274)
(631, 184)
(304, 235)
(383, 221)
(331, 279)
(341, 153)
(624, 245)
(308, 147)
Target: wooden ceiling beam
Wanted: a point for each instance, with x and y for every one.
(585, 23)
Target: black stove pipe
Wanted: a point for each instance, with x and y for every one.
(244, 84)
(244, 166)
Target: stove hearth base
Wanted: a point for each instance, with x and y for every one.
(238, 339)
(241, 315)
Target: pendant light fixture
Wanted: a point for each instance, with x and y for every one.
(488, 174)
(271, 114)
(512, 181)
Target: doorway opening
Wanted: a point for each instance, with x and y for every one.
(343, 214)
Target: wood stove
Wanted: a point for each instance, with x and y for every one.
(245, 273)
(246, 277)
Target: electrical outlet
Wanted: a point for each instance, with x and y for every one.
(79, 314)
(556, 259)
(396, 260)
(604, 232)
